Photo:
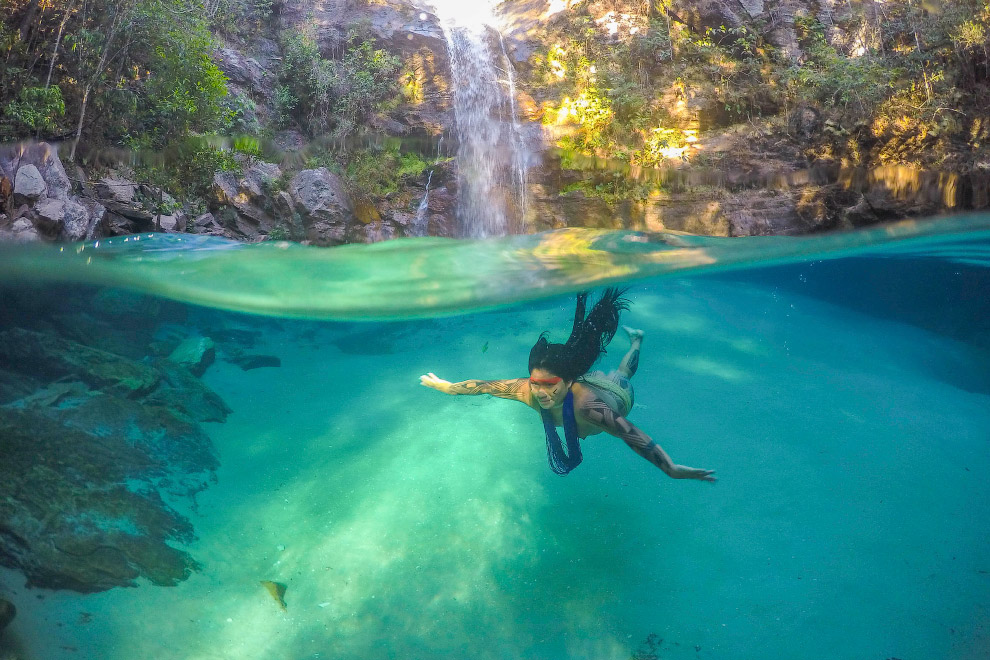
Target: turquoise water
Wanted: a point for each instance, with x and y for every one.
(839, 386)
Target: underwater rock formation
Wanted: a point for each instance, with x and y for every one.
(194, 353)
(7, 613)
(95, 448)
(78, 511)
(52, 358)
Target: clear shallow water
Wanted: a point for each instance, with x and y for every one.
(840, 387)
(423, 277)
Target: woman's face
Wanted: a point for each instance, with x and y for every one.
(549, 389)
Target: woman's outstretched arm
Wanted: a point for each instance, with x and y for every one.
(601, 415)
(516, 389)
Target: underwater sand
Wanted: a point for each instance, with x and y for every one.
(849, 521)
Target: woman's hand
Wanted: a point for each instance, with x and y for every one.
(431, 380)
(685, 472)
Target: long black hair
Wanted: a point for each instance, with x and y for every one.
(589, 337)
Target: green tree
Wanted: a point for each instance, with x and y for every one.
(37, 108)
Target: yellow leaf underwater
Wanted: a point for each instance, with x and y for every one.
(277, 590)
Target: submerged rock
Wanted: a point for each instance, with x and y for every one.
(7, 613)
(248, 362)
(195, 354)
(50, 357)
(186, 394)
(78, 512)
(96, 447)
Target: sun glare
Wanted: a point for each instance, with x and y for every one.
(474, 14)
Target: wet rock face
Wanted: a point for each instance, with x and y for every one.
(326, 208)
(95, 448)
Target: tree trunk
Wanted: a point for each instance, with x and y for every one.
(58, 41)
(82, 115)
(28, 19)
(111, 37)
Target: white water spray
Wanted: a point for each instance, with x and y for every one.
(421, 221)
(491, 154)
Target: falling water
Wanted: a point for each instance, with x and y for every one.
(419, 225)
(491, 154)
(519, 152)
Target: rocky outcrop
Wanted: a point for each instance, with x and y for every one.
(42, 190)
(242, 203)
(326, 208)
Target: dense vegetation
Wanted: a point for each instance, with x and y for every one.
(117, 71)
(898, 81)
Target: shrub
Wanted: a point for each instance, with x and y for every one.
(37, 108)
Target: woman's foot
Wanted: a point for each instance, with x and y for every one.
(630, 362)
(633, 333)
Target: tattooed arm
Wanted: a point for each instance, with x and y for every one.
(516, 389)
(598, 413)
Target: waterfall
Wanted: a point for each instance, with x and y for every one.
(491, 152)
(421, 222)
(520, 154)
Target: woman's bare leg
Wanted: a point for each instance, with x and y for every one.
(630, 362)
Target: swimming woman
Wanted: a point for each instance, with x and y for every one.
(561, 388)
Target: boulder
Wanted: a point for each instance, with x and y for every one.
(49, 214)
(175, 223)
(21, 231)
(29, 185)
(118, 190)
(77, 222)
(44, 157)
(116, 224)
(246, 196)
(7, 613)
(194, 353)
(258, 179)
(323, 203)
(97, 216)
(187, 396)
(204, 220)
(285, 215)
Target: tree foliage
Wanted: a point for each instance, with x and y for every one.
(120, 67)
(914, 72)
(334, 95)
